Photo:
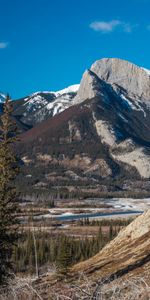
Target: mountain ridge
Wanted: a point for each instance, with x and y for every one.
(102, 134)
(134, 79)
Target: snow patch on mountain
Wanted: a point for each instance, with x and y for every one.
(2, 97)
(134, 106)
(122, 117)
(71, 89)
(57, 106)
(36, 100)
(127, 102)
(52, 102)
(146, 70)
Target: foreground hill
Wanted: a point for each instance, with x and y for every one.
(119, 271)
(127, 253)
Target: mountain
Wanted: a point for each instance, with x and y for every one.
(37, 107)
(95, 134)
(2, 98)
(122, 76)
(127, 94)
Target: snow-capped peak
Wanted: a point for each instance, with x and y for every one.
(45, 103)
(71, 89)
(2, 98)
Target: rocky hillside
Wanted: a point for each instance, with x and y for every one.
(127, 253)
(126, 92)
(119, 271)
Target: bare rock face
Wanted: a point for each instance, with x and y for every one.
(135, 80)
(89, 88)
(124, 88)
(119, 73)
(86, 89)
(136, 229)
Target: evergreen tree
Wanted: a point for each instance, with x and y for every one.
(110, 232)
(64, 259)
(8, 195)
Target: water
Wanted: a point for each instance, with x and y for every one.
(83, 216)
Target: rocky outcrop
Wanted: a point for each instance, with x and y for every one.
(88, 89)
(135, 80)
(119, 73)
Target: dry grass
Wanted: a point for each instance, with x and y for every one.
(20, 289)
(134, 288)
(130, 289)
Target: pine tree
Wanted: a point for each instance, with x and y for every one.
(64, 259)
(8, 195)
(110, 232)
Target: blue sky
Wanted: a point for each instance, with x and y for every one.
(47, 45)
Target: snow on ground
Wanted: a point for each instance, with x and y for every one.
(130, 204)
(67, 214)
(118, 208)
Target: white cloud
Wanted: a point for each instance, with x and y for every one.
(106, 27)
(3, 45)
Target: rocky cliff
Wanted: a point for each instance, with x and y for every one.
(118, 73)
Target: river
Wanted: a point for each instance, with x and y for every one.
(96, 215)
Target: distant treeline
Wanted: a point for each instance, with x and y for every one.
(105, 222)
(45, 195)
(51, 246)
